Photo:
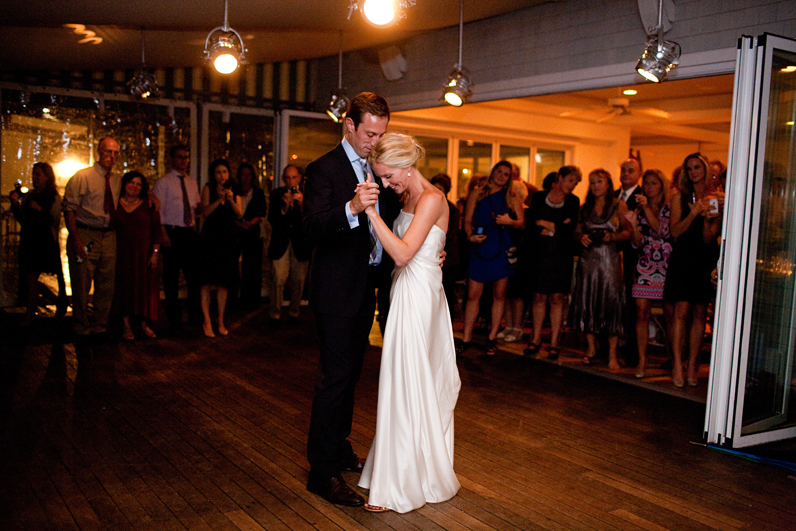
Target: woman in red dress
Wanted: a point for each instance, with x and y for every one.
(137, 225)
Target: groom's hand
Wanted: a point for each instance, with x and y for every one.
(367, 194)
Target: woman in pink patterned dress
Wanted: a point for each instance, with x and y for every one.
(650, 235)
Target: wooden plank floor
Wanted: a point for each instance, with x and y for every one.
(189, 433)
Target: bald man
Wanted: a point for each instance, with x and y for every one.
(629, 177)
(90, 197)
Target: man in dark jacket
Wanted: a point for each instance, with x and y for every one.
(347, 263)
(288, 250)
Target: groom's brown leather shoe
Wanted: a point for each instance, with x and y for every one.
(354, 464)
(335, 490)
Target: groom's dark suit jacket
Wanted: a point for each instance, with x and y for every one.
(339, 267)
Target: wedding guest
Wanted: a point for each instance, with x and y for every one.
(180, 200)
(650, 235)
(599, 296)
(220, 209)
(89, 200)
(627, 192)
(490, 212)
(514, 309)
(39, 215)
(450, 267)
(288, 251)
(695, 224)
(138, 233)
(550, 224)
(250, 234)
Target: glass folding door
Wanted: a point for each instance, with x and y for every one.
(305, 136)
(751, 400)
(238, 134)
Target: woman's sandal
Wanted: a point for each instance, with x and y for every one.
(462, 346)
(532, 349)
(375, 508)
(588, 360)
(491, 348)
(148, 332)
(552, 353)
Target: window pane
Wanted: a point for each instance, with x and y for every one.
(244, 138)
(547, 161)
(474, 158)
(436, 155)
(309, 138)
(521, 156)
(772, 339)
(60, 130)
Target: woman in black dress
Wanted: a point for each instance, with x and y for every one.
(550, 225)
(220, 209)
(39, 214)
(695, 225)
(251, 239)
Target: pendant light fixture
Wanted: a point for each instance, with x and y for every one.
(459, 86)
(339, 104)
(659, 56)
(380, 13)
(143, 84)
(224, 47)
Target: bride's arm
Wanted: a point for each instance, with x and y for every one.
(428, 211)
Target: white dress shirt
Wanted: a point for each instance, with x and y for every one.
(168, 190)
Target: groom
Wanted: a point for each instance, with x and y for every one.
(348, 264)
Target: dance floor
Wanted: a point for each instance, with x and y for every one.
(192, 433)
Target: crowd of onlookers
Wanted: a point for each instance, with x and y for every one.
(120, 231)
(645, 242)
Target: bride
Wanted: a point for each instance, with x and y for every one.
(411, 459)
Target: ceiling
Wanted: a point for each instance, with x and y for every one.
(34, 36)
(697, 110)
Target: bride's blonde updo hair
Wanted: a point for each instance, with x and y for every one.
(397, 150)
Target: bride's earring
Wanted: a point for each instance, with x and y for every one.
(410, 173)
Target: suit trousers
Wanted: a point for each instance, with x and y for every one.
(99, 267)
(183, 254)
(251, 269)
(343, 340)
(284, 269)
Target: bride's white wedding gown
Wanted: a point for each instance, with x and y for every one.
(411, 459)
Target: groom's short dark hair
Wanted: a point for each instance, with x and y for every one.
(367, 102)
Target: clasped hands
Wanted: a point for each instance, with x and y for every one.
(366, 195)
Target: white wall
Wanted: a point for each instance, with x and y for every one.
(667, 157)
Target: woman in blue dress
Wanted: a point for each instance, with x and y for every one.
(491, 211)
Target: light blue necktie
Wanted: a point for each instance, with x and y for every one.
(373, 249)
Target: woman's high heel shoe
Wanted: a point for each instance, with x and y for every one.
(207, 328)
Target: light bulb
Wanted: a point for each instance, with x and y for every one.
(453, 99)
(379, 12)
(226, 63)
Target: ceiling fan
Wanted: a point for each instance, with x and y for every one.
(621, 107)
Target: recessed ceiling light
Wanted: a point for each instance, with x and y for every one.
(630, 92)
